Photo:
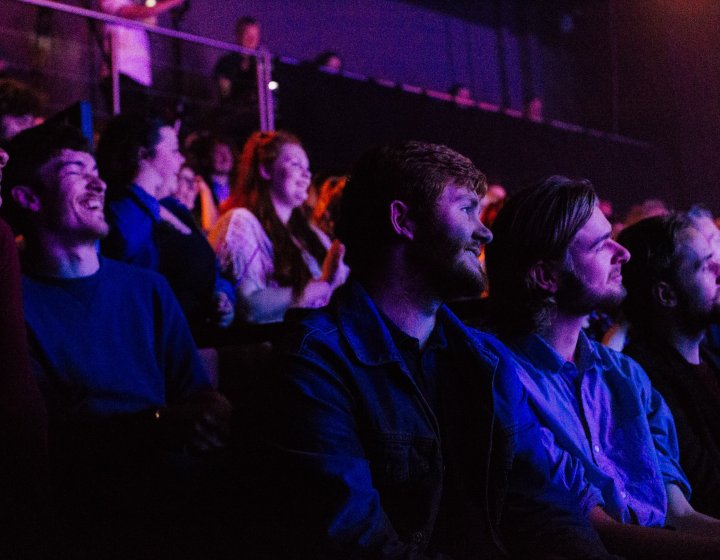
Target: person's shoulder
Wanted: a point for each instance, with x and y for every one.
(307, 329)
(489, 343)
(619, 363)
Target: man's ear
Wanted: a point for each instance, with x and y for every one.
(545, 275)
(400, 219)
(264, 172)
(665, 294)
(26, 198)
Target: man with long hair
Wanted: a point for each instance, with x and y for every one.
(609, 433)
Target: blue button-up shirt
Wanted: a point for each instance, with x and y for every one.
(609, 433)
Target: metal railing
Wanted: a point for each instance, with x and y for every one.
(262, 57)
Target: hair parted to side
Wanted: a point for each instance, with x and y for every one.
(413, 172)
(537, 224)
(249, 190)
(126, 140)
(29, 151)
(653, 244)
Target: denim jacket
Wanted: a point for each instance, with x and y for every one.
(358, 459)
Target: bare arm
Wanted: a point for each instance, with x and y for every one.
(208, 209)
(144, 12)
(682, 516)
(651, 542)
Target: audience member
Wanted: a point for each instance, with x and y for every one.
(534, 109)
(394, 430)
(235, 73)
(673, 296)
(212, 158)
(492, 203)
(702, 219)
(195, 195)
(139, 159)
(610, 434)
(647, 209)
(19, 108)
(129, 49)
(126, 393)
(263, 241)
(23, 419)
(329, 61)
(327, 208)
(461, 93)
(236, 76)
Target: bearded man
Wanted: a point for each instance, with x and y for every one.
(609, 433)
(391, 430)
(673, 297)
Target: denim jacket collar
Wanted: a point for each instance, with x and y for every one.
(360, 322)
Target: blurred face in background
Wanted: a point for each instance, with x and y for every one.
(222, 159)
(167, 160)
(248, 36)
(187, 191)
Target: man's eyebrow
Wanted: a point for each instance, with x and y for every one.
(600, 239)
(472, 197)
(63, 164)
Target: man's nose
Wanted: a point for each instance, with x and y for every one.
(622, 255)
(97, 184)
(483, 233)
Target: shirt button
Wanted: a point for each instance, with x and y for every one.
(417, 537)
(596, 448)
(623, 494)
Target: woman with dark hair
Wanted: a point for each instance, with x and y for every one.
(263, 241)
(139, 159)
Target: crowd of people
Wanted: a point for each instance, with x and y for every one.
(572, 414)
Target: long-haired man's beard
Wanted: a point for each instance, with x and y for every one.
(575, 297)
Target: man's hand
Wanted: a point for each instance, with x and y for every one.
(223, 312)
(201, 423)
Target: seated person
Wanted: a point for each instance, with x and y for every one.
(19, 107)
(212, 158)
(610, 434)
(126, 393)
(327, 207)
(264, 243)
(392, 430)
(23, 420)
(673, 296)
(140, 160)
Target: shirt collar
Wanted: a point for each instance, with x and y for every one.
(362, 324)
(543, 356)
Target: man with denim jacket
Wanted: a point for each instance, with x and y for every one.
(393, 430)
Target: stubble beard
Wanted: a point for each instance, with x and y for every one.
(574, 297)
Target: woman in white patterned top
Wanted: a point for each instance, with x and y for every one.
(264, 243)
